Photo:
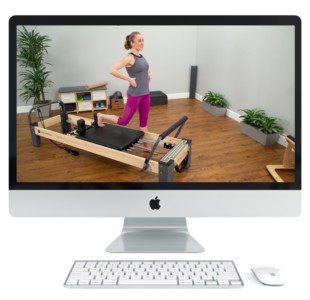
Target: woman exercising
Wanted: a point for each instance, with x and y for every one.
(139, 76)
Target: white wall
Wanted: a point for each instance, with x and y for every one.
(253, 66)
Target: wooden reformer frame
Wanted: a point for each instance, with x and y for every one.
(177, 158)
(288, 160)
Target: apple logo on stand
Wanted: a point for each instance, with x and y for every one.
(154, 203)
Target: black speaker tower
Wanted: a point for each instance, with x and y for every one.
(193, 82)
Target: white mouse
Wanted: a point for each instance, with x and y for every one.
(269, 275)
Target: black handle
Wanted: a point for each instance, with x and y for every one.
(173, 127)
(33, 108)
(95, 123)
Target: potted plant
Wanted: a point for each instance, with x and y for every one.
(34, 75)
(262, 128)
(215, 103)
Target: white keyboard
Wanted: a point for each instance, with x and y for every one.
(153, 274)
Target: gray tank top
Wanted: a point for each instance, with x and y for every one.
(139, 70)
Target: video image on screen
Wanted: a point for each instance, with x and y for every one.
(181, 104)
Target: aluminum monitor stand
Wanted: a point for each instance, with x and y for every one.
(155, 235)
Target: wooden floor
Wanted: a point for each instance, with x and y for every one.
(220, 152)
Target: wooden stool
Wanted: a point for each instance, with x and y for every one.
(288, 160)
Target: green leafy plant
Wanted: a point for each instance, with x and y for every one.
(270, 125)
(253, 116)
(215, 99)
(258, 118)
(31, 50)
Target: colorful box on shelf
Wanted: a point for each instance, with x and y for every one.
(100, 105)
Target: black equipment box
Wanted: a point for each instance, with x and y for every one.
(158, 98)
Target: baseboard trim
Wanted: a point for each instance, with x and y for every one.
(26, 108)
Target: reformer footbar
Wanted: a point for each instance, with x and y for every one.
(116, 142)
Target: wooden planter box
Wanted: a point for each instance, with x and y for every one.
(257, 135)
(214, 110)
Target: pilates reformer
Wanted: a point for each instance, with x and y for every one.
(116, 142)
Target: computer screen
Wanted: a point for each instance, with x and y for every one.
(213, 129)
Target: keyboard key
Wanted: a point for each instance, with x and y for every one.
(223, 282)
(110, 282)
(84, 282)
(71, 282)
(96, 282)
(236, 283)
(186, 282)
(148, 282)
(199, 282)
(211, 282)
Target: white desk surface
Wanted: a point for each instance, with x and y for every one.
(38, 254)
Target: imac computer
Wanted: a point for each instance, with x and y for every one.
(189, 162)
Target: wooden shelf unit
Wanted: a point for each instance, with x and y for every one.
(79, 98)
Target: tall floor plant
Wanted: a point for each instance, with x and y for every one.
(32, 48)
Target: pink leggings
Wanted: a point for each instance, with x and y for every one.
(134, 103)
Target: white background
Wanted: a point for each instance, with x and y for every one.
(36, 254)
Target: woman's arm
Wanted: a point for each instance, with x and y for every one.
(150, 75)
(126, 61)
